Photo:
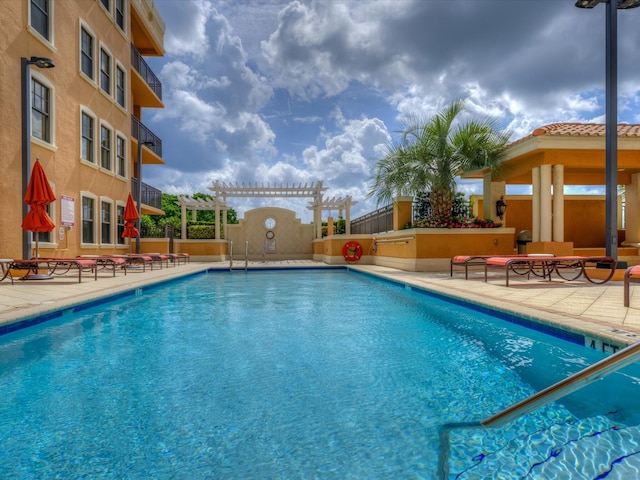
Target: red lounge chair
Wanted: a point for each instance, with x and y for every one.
(56, 266)
(467, 261)
(567, 268)
(631, 275)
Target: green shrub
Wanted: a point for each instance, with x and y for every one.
(199, 232)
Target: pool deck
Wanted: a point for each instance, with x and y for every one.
(594, 310)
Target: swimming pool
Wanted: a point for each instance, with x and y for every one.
(297, 375)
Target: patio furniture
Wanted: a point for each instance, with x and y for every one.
(467, 261)
(4, 265)
(54, 266)
(567, 267)
(631, 275)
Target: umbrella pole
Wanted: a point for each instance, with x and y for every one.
(37, 276)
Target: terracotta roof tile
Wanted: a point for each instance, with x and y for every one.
(579, 130)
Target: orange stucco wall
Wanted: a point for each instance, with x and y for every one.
(584, 218)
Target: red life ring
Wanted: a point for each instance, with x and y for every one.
(352, 251)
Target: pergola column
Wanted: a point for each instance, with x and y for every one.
(183, 221)
(558, 203)
(545, 203)
(347, 218)
(535, 204)
(224, 223)
(217, 225)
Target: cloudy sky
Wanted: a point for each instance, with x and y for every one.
(300, 91)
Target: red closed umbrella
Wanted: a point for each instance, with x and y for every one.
(39, 195)
(130, 217)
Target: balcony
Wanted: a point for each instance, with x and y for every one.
(151, 196)
(145, 85)
(143, 134)
(147, 27)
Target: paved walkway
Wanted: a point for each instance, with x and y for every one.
(595, 310)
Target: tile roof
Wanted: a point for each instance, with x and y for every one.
(585, 130)
(579, 130)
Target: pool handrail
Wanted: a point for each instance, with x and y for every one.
(564, 387)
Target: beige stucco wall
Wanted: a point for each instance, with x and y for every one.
(291, 238)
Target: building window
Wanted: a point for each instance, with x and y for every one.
(121, 86)
(105, 147)
(120, 14)
(86, 146)
(105, 222)
(121, 156)
(88, 215)
(40, 111)
(45, 237)
(106, 4)
(86, 53)
(40, 17)
(120, 221)
(105, 71)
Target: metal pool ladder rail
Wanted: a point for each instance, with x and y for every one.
(564, 387)
(246, 256)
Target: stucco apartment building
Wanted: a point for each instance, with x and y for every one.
(82, 117)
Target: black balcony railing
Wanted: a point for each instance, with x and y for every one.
(378, 221)
(143, 134)
(150, 196)
(145, 72)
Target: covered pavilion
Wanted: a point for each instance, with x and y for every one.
(560, 154)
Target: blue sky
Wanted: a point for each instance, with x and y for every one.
(301, 91)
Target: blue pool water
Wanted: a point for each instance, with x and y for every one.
(295, 375)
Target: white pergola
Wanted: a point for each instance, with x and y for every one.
(340, 204)
(195, 204)
(221, 191)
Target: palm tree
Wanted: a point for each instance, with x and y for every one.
(432, 153)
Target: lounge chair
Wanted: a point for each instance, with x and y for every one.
(467, 261)
(6, 271)
(567, 268)
(56, 266)
(631, 275)
(134, 259)
(176, 258)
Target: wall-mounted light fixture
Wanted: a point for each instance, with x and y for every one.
(26, 63)
(501, 207)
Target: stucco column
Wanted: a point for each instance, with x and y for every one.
(402, 212)
(487, 211)
(535, 204)
(632, 210)
(498, 189)
(545, 203)
(183, 222)
(558, 203)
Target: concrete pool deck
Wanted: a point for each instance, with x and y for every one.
(597, 311)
